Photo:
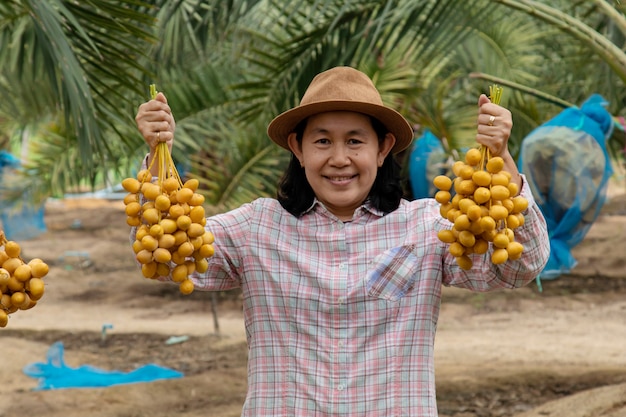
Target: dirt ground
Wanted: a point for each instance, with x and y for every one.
(559, 352)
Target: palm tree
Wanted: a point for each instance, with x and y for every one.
(429, 59)
(78, 72)
(590, 59)
(71, 72)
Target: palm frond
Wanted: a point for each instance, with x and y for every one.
(85, 56)
(248, 168)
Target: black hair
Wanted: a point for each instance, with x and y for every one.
(296, 195)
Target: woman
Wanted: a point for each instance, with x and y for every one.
(341, 278)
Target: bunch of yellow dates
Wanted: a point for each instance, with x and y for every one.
(170, 220)
(485, 209)
(21, 283)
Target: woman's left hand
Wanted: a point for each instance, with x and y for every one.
(494, 129)
(494, 126)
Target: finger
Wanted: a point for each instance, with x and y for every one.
(489, 120)
(495, 146)
(154, 106)
(483, 99)
(160, 97)
(490, 109)
(151, 127)
(159, 126)
(158, 119)
(495, 117)
(155, 138)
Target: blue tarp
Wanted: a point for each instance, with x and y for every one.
(567, 165)
(426, 161)
(55, 374)
(8, 160)
(21, 220)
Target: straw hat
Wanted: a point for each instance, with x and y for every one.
(341, 89)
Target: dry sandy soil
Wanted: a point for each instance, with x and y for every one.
(559, 352)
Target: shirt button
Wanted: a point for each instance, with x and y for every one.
(342, 266)
(341, 344)
(341, 387)
(341, 300)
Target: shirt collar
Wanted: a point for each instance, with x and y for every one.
(366, 207)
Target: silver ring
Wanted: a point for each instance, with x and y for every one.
(491, 120)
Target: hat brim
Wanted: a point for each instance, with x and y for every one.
(285, 123)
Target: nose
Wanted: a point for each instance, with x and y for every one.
(340, 156)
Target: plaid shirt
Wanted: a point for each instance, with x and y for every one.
(340, 317)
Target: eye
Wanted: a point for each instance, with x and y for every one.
(322, 141)
(354, 141)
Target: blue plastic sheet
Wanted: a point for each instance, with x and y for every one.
(55, 374)
(426, 161)
(24, 223)
(567, 165)
(21, 220)
(8, 160)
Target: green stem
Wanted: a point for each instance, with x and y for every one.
(610, 53)
(539, 94)
(613, 14)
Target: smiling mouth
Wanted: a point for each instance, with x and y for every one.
(342, 179)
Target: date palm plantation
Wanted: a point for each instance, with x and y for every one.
(73, 74)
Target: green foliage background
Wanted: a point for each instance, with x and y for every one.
(72, 75)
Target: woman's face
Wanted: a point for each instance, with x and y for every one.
(341, 154)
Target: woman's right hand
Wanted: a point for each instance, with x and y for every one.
(156, 124)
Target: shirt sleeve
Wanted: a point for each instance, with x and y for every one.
(231, 231)
(485, 276)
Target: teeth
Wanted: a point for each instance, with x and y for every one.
(340, 178)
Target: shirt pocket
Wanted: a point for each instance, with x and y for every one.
(392, 274)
